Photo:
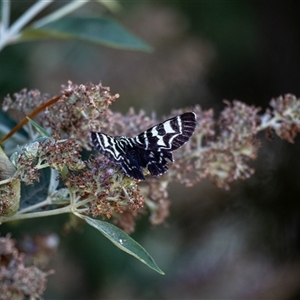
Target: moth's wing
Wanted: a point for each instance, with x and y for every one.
(121, 151)
(107, 145)
(133, 162)
(136, 159)
(157, 163)
(168, 135)
(149, 149)
(132, 170)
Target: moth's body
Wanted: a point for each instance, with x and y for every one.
(150, 149)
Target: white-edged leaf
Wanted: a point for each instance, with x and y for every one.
(123, 241)
(95, 29)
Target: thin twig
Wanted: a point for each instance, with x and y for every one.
(33, 207)
(28, 16)
(59, 13)
(63, 210)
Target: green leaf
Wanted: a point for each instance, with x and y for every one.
(100, 30)
(12, 188)
(123, 241)
(39, 129)
(37, 192)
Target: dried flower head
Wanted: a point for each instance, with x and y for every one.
(223, 157)
(18, 281)
(105, 189)
(79, 107)
(46, 152)
(24, 101)
(131, 124)
(284, 119)
(219, 149)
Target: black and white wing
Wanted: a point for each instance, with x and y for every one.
(123, 152)
(150, 149)
(114, 148)
(168, 135)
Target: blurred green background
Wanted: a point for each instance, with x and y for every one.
(238, 244)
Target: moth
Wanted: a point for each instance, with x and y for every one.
(150, 149)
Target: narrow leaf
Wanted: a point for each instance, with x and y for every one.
(100, 30)
(39, 129)
(123, 241)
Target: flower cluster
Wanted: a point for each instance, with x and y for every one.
(24, 101)
(81, 107)
(106, 192)
(284, 119)
(225, 158)
(46, 152)
(130, 124)
(220, 150)
(18, 281)
(78, 108)
(61, 153)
